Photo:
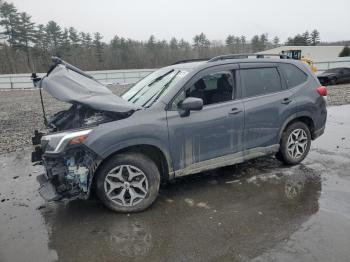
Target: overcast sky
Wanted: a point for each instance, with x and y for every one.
(185, 18)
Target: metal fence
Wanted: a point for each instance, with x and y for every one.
(23, 81)
(323, 66)
(20, 81)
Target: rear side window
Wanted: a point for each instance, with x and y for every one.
(293, 75)
(260, 81)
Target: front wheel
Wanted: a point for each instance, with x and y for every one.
(333, 81)
(295, 144)
(128, 182)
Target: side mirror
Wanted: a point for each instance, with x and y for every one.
(191, 104)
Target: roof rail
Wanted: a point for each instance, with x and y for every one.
(242, 56)
(191, 60)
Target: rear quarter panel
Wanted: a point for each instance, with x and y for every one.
(309, 102)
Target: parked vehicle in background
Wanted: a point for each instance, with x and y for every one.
(179, 120)
(334, 76)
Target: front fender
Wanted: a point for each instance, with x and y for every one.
(138, 142)
(141, 129)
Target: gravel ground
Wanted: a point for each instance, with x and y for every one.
(21, 113)
(339, 94)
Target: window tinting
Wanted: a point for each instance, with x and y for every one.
(260, 81)
(293, 75)
(212, 88)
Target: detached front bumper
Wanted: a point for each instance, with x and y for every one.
(47, 190)
(68, 174)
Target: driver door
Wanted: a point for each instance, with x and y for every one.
(204, 137)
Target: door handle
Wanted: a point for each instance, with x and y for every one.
(286, 101)
(235, 111)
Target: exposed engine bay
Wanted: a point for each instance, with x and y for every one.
(80, 116)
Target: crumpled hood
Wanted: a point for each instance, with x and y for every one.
(69, 86)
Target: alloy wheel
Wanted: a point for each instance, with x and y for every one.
(126, 185)
(297, 143)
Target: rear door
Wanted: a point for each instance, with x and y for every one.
(267, 103)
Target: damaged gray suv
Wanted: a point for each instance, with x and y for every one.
(182, 119)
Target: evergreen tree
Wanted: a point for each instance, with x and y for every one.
(98, 47)
(184, 44)
(201, 41)
(66, 43)
(345, 51)
(40, 39)
(276, 41)
(201, 44)
(173, 43)
(243, 43)
(85, 39)
(230, 43)
(306, 38)
(151, 43)
(26, 35)
(315, 37)
(297, 40)
(237, 43)
(74, 37)
(230, 40)
(10, 22)
(255, 44)
(53, 36)
(263, 41)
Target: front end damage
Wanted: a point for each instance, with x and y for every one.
(69, 164)
(68, 173)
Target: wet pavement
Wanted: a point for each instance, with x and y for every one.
(259, 210)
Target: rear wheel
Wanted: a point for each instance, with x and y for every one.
(295, 144)
(128, 182)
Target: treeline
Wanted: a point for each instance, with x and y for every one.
(305, 39)
(27, 47)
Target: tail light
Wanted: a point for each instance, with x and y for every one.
(322, 90)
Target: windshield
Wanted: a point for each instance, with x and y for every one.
(152, 87)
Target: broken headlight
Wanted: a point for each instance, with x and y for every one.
(56, 143)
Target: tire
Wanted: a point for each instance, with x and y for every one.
(333, 81)
(299, 146)
(279, 156)
(128, 183)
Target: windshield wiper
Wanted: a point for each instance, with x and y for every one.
(152, 83)
(158, 94)
(160, 77)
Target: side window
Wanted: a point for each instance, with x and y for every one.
(293, 75)
(213, 88)
(260, 81)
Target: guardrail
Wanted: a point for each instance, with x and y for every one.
(323, 66)
(23, 81)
